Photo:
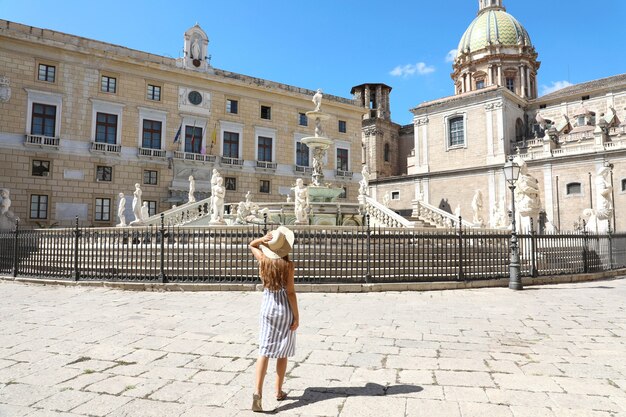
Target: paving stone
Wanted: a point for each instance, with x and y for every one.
(173, 391)
(374, 407)
(464, 379)
(432, 408)
(148, 408)
(65, 400)
(101, 405)
(473, 409)
(169, 373)
(209, 394)
(527, 382)
(214, 377)
(7, 410)
(24, 395)
(459, 394)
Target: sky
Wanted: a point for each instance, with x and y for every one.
(337, 44)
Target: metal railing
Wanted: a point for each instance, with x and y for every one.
(322, 254)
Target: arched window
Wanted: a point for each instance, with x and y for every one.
(574, 188)
(386, 152)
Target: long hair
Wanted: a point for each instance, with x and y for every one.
(274, 272)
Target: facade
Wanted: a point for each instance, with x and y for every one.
(459, 144)
(82, 121)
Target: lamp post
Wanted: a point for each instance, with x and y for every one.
(511, 173)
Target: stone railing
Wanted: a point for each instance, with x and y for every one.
(384, 216)
(266, 165)
(181, 215)
(303, 169)
(339, 173)
(151, 153)
(105, 147)
(231, 161)
(43, 141)
(435, 216)
(574, 137)
(190, 156)
(575, 150)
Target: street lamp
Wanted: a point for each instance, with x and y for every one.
(511, 173)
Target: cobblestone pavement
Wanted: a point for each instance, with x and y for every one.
(549, 351)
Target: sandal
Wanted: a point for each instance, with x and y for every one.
(281, 396)
(256, 403)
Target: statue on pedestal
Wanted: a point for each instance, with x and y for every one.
(301, 196)
(364, 183)
(598, 218)
(527, 197)
(145, 211)
(317, 100)
(218, 192)
(7, 218)
(137, 204)
(477, 208)
(192, 189)
(121, 208)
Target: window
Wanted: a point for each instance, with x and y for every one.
(40, 168)
(342, 126)
(266, 112)
(302, 154)
(583, 98)
(230, 183)
(108, 84)
(480, 84)
(573, 188)
(456, 131)
(264, 149)
(386, 152)
(581, 121)
(151, 136)
(154, 92)
(152, 207)
(106, 128)
(265, 187)
(193, 139)
(302, 119)
(510, 83)
(38, 206)
(103, 210)
(43, 120)
(232, 106)
(342, 159)
(150, 177)
(104, 173)
(624, 184)
(231, 144)
(46, 73)
(395, 195)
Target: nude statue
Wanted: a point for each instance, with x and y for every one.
(121, 208)
(317, 100)
(301, 196)
(137, 202)
(192, 189)
(218, 192)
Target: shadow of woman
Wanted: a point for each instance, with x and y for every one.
(315, 394)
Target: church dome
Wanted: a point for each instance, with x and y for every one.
(493, 27)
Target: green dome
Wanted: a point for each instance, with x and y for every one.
(493, 27)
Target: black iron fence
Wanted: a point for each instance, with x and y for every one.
(323, 254)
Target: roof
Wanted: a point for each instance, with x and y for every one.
(586, 87)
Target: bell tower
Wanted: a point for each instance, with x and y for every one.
(196, 49)
(490, 4)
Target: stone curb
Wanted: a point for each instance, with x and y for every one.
(328, 288)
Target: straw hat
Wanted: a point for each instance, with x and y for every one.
(280, 245)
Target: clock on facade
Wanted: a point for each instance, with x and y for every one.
(195, 98)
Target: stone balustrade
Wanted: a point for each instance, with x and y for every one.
(435, 216)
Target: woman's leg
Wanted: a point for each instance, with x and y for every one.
(261, 370)
(281, 369)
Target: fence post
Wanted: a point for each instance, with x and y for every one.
(585, 243)
(15, 247)
(533, 250)
(162, 276)
(368, 231)
(76, 237)
(610, 248)
(460, 275)
(264, 224)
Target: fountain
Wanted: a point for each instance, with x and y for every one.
(318, 191)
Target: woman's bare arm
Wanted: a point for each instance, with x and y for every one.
(254, 246)
(293, 300)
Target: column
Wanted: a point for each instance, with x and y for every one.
(522, 86)
(416, 143)
(547, 197)
(500, 75)
(490, 75)
(367, 101)
(379, 98)
(493, 195)
(489, 124)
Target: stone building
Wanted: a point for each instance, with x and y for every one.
(459, 144)
(83, 120)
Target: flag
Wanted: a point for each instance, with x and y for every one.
(203, 150)
(177, 137)
(214, 135)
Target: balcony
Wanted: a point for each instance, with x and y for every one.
(231, 161)
(196, 157)
(303, 169)
(151, 153)
(42, 141)
(343, 174)
(101, 147)
(266, 165)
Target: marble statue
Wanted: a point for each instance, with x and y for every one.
(137, 203)
(121, 208)
(218, 192)
(477, 209)
(7, 218)
(145, 211)
(386, 200)
(319, 132)
(318, 155)
(498, 218)
(599, 217)
(364, 183)
(5, 202)
(214, 177)
(527, 197)
(195, 49)
(317, 100)
(249, 212)
(301, 205)
(457, 211)
(192, 189)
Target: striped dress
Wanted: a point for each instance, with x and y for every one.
(276, 340)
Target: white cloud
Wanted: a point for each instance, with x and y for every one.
(451, 55)
(556, 85)
(411, 69)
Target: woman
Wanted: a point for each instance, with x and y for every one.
(279, 311)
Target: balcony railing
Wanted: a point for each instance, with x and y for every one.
(151, 153)
(231, 161)
(266, 164)
(190, 156)
(343, 174)
(303, 169)
(105, 147)
(43, 141)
